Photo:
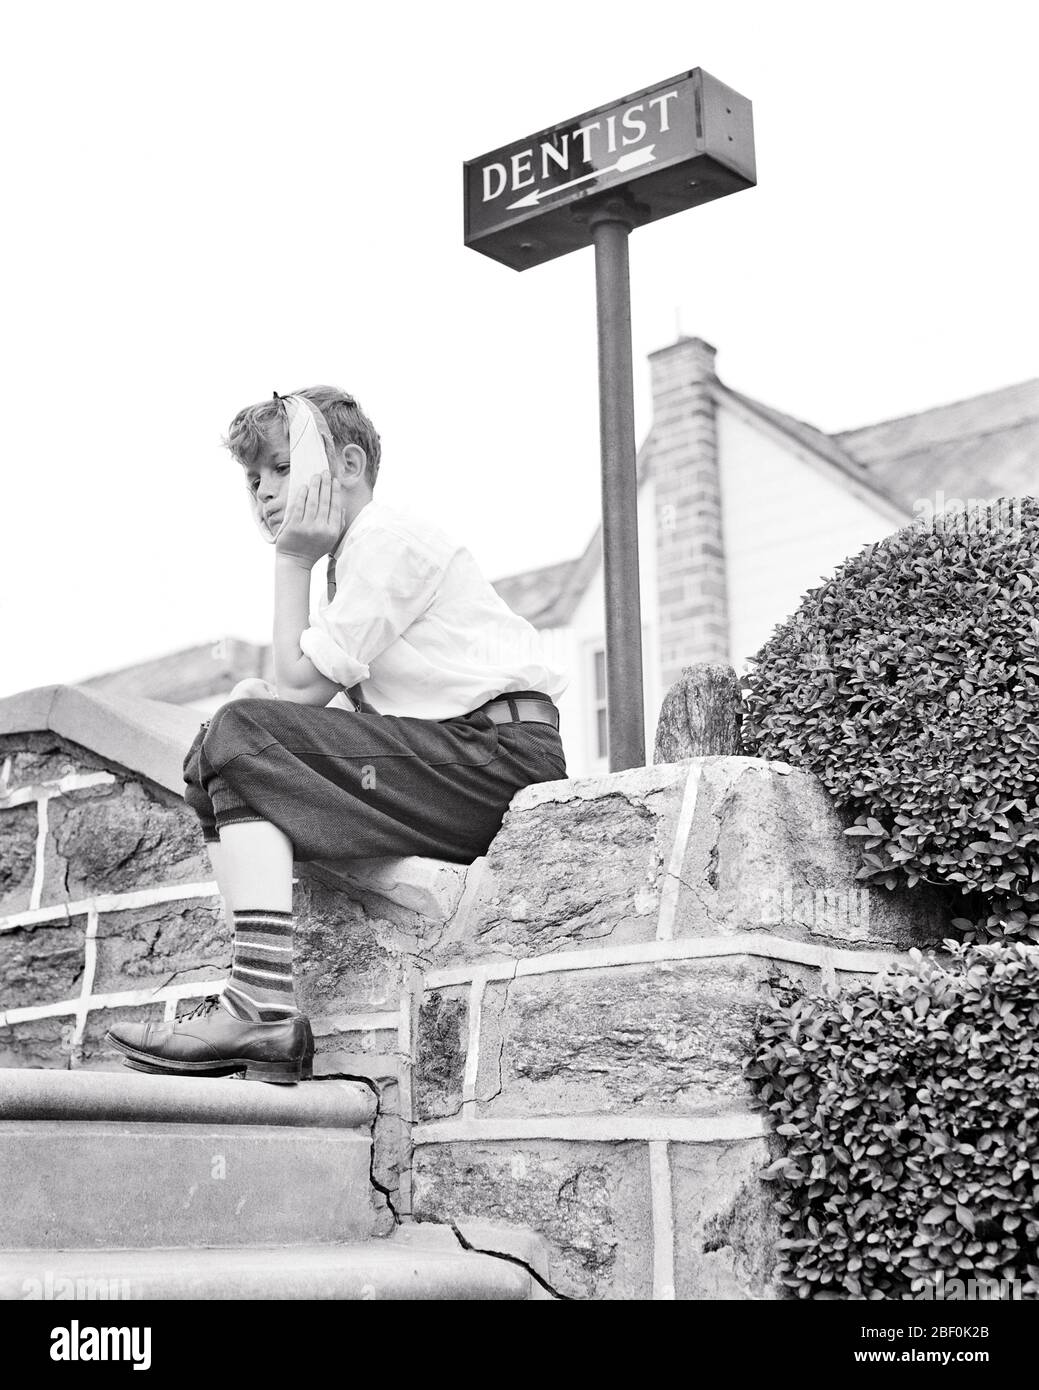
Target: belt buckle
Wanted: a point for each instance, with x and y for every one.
(509, 701)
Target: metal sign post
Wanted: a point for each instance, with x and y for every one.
(589, 181)
(610, 224)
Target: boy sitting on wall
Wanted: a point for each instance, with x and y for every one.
(450, 711)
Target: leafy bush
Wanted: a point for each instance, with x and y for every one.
(909, 684)
(909, 1106)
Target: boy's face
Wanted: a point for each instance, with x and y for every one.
(268, 477)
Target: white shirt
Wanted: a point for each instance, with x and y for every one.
(417, 624)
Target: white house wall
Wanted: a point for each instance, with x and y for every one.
(788, 522)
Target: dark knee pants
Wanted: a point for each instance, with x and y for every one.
(357, 784)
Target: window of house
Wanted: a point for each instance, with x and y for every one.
(599, 702)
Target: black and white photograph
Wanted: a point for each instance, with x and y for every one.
(519, 682)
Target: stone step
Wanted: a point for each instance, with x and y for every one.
(29, 1093)
(420, 1262)
(95, 1160)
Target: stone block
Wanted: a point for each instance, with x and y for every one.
(37, 1042)
(726, 1228)
(391, 1140)
(118, 838)
(394, 1270)
(517, 1241)
(575, 862)
(349, 961)
(31, 760)
(429, 887)
(41, 964)
(700, 715)
(589, 1201)
(443, 1032)
(101, 1184)
(669, 1038)
(767, 853)
(95, 1054)
(595, 860)
(134, 1097)
(18, 828)
(167, 943)
(370, 1047)
(334, 1059)
(380, 1072)
(375, 1061)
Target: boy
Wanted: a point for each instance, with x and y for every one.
(449, 713)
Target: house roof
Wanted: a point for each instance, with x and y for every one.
(986, 446)
(190, 674)
(826, 446)
(535, 593)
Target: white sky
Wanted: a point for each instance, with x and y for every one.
(208, 202)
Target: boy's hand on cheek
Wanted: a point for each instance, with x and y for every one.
(314, 522)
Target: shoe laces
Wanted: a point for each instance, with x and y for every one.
(203, 1007)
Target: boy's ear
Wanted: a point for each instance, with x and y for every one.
(350, 463)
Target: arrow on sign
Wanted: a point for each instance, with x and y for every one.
(627, 161)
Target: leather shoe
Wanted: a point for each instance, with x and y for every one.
(211, 1041)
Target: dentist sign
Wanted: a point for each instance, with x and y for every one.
(673, 146)
(588, 182)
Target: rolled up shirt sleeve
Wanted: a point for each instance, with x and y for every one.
(330, 659)
(384, 582)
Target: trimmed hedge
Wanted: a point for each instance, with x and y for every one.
(909, 1106)
(909, 684)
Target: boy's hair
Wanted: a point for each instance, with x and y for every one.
(248, 438)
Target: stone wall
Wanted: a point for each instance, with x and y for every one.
(581, 1043)
(106, 905)
(108, 911)
(556, 1033)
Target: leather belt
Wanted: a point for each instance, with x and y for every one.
(521, 706)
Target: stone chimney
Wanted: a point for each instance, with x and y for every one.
(691, 591)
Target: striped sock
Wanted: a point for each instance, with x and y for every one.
(260, 986)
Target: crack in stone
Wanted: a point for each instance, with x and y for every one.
(449, 1114)
(121, 863)
(576, 925)
(512, 1259)
(202, 965)
(504, 1014)
(379, 1187)
(455, 910)
(701, 900)
(483, 1100)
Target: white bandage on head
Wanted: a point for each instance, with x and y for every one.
(310, 448)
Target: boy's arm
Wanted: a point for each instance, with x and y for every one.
(385, 582)
(309, 532)
(295, 675)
